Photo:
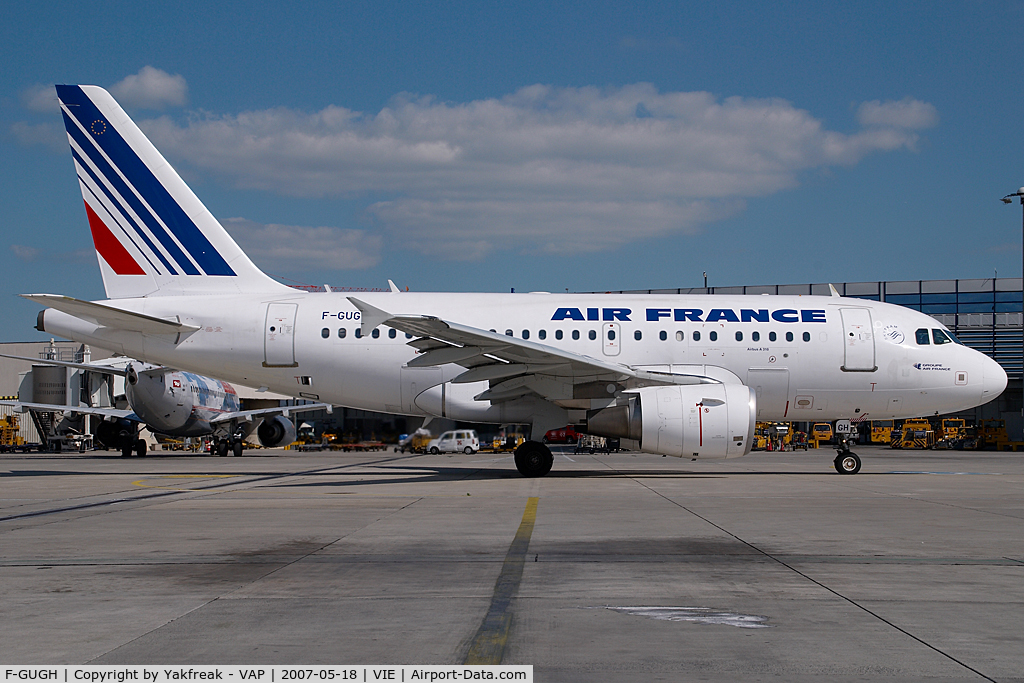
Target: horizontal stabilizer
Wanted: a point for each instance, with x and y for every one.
(107, 316)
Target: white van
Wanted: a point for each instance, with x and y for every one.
(459, 441)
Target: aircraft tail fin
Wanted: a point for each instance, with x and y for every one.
(152, 235)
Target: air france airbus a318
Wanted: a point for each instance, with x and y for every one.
(685, 376)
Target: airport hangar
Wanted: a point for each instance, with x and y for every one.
(985, 314)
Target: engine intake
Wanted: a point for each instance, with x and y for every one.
(276, 431)
(684, 421)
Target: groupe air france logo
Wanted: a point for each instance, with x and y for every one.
(98, 127)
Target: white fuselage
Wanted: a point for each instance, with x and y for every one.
(806, 357)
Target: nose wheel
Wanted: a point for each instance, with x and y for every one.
(846, 461)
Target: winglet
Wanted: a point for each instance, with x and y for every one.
(371, 316)
(832, 289)
(393, 286)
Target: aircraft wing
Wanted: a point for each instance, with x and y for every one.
(92, 367)
(82, 410)
(515, 367)
(248, 415)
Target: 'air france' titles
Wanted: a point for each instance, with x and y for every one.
(696, 315)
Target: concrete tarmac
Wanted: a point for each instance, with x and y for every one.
(621, 567)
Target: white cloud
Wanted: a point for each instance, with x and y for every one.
(291, 248)
(541, 167)
(905, 113)
(30, 254)
(49, 134)
(151, 89)
(40, 98)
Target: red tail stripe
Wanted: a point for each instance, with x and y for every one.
(112, 251)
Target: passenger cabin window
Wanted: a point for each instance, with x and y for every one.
(713, 336)
(789, 336)
(611, 335)
(772, 336)
(807, 336)
(922, 337)
(558, 334)
(638, 335)
(392, 333)
(526, 334)
(592, 335)
(342, 332)
(755, 336)
(663, 335)
(325, 333)
(739, 336)
(359, 333)
(408, 335)
(508, 333)
(575, 334)
(542, 334)
(696, 335)
(376, 333)
(939, 337)
(680, 336)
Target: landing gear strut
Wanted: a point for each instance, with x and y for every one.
(846, 461)
(533, 459)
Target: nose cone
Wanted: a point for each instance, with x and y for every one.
(993, 380)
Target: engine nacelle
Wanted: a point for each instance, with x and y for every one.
(117, 434)
(276, 431)
(684, 421)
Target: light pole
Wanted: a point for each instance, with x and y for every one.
(1008, 199)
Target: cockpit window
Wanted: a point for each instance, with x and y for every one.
(940, 337)
(953, 337)
(922, 337)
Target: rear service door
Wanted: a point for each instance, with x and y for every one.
(279, 339)
(858, 340)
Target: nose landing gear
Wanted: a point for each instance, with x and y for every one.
(846, 462)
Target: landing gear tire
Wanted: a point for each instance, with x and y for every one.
(533, 459)
(236, 449)
(847, 463)
(222, 448)
(126, 450)
(140, 448)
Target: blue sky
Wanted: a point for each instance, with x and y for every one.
(537, 145)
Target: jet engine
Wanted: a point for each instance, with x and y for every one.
(684, 421)
(276, 431)
(117, 434)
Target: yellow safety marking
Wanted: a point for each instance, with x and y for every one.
(488, 646)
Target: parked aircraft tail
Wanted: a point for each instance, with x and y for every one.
(152, 235)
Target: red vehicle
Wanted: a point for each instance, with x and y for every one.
(566, 434)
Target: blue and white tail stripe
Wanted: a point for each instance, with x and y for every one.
(152, 234)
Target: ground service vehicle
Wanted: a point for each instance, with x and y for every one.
(566, 434)
(821, 432)
(683, 375)
(458, 441)
(881, 431)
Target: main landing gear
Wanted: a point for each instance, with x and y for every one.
(846, 461)
(139, 446)
(224, 446)
(533, 459)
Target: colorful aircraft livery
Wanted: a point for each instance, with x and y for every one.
(746, 315)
